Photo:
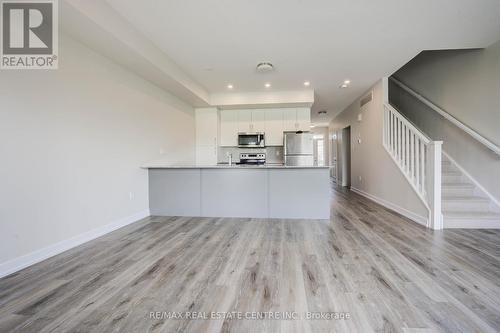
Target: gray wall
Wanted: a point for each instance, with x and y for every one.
(372, 169)
(72, 142)
(466, 84)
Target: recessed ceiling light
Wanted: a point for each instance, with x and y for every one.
(343, 86)
(347, 81)
(307, 83)
(312, 126)
(267, 85)
(229, 86)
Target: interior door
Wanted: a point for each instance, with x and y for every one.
(334, 156)
(346, 157)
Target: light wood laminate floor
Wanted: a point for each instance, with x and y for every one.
(387, 273)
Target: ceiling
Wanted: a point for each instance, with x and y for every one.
(217, 42)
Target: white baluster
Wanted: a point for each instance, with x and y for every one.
(417, 160)
(412, 164)
(407, 149)
(399, 142)
(422, 153)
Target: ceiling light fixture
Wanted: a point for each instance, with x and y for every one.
(347, 81)
(267, 85)
(322, 112)
(229, 86)
(343, 86)
(307, 83)
(264, 67)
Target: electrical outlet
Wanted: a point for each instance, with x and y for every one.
(360, 179)
(130, 195)
(162, 151)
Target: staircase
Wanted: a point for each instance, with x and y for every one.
(462, 203)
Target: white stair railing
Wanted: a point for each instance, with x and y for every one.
(418, 158)
(490, 145)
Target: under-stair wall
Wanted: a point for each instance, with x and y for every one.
(481, 165)
(465, 84)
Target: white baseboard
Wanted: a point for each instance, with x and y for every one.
(29, 259)
(400, 210)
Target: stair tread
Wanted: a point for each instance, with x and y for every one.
(464, 198)
(471, 215)
(451, 173)
(461, 184)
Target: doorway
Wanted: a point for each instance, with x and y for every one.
(344, 165)
(333, 154)
(319, 150)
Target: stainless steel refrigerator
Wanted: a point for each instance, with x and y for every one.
(298, 148)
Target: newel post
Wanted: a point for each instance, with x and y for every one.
(434, 185)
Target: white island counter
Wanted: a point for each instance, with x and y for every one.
(268, 191)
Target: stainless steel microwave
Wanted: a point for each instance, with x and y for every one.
(251, 140)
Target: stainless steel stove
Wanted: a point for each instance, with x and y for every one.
(252, 159)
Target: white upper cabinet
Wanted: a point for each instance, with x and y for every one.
(229, 128)
(274, 127)
(303, 119)
(252, 120)
(297, 119)
(244, 120)
(290, 119)
(259, 120)
(273, 122)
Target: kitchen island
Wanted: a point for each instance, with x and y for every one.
(266, 191)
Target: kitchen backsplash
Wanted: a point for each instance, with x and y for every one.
(273, 154)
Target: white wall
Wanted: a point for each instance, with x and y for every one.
(465, 83)
(72, 142)
(380, 177)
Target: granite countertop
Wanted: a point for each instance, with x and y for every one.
(163, 165)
